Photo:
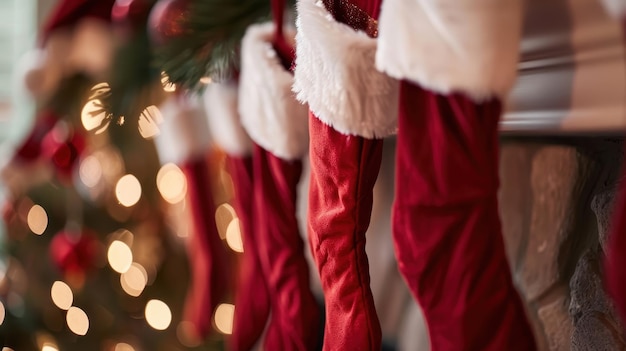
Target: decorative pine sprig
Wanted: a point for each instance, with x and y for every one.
(210, 47)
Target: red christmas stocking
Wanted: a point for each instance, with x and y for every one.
(351, 106)
(295, 318)
(277, 123)
(184, 141)
(210, 261)
(446, 224)
(343, 172)
(615, 261)
(252, 304)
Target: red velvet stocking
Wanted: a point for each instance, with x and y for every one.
(252, 303)
(343, 172)
(209, 258)
(294, 319)
(446, 225)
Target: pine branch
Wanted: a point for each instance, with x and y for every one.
(211, 47)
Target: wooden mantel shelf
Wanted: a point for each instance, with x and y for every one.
(572, 72)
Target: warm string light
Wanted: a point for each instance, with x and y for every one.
(171, 183)
(62, 296)
(128, 190)
(120, 256)
(187, 334)
(77, 321)
(149, 121)
(229, 226)
(2, 313)
(122, 346)
(158, 314)
(37, 219)
(233, 236)
(90, 171)
(167, 86)
(224, 214)
(93, 113)
(134, 280)
(224, 316)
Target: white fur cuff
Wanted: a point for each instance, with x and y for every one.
(617, 8)
(183, 133)
(467, 46)
(270, 113)
(220, 105)
(335, 75)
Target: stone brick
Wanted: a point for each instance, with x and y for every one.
(558, 184)
(602, 206)
(596, 332)
(556, 324)
(515, 198)
(595, 324)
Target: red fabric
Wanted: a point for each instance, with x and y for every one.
(615, 260)
(209, 258)
(286, 52)
(343, 172)
(446, 225)
(294, 319)
(252, 302)
(31, 148)
(68, 12)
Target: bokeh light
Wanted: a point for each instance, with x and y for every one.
(90, 171)
(77, 321)
(37, 219)
(224, 215)
(61, 295)
(2, 313)
(187, 334)
(122, 346)
(49, 347)
(120, 256)
(233, 236)
(149, 121)
(224, 316)
(171, 183)
(167, 87)
(128, 190)
(158, 314)
(134, 280)
(93, 113)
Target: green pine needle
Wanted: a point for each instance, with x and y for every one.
(211, 47)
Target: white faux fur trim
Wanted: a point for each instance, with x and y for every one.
(467, 46)
(269, 111)
(335, 74)
(617, 8)
(183, 132)
(220, 104)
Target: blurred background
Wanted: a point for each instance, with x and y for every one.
(96, 244)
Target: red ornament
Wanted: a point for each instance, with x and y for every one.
(63, 147)
(74, 253)
(132, 13)
(30, 149)
(167, 20)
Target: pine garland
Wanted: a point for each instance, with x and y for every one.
(133, 79)
(211, 46)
